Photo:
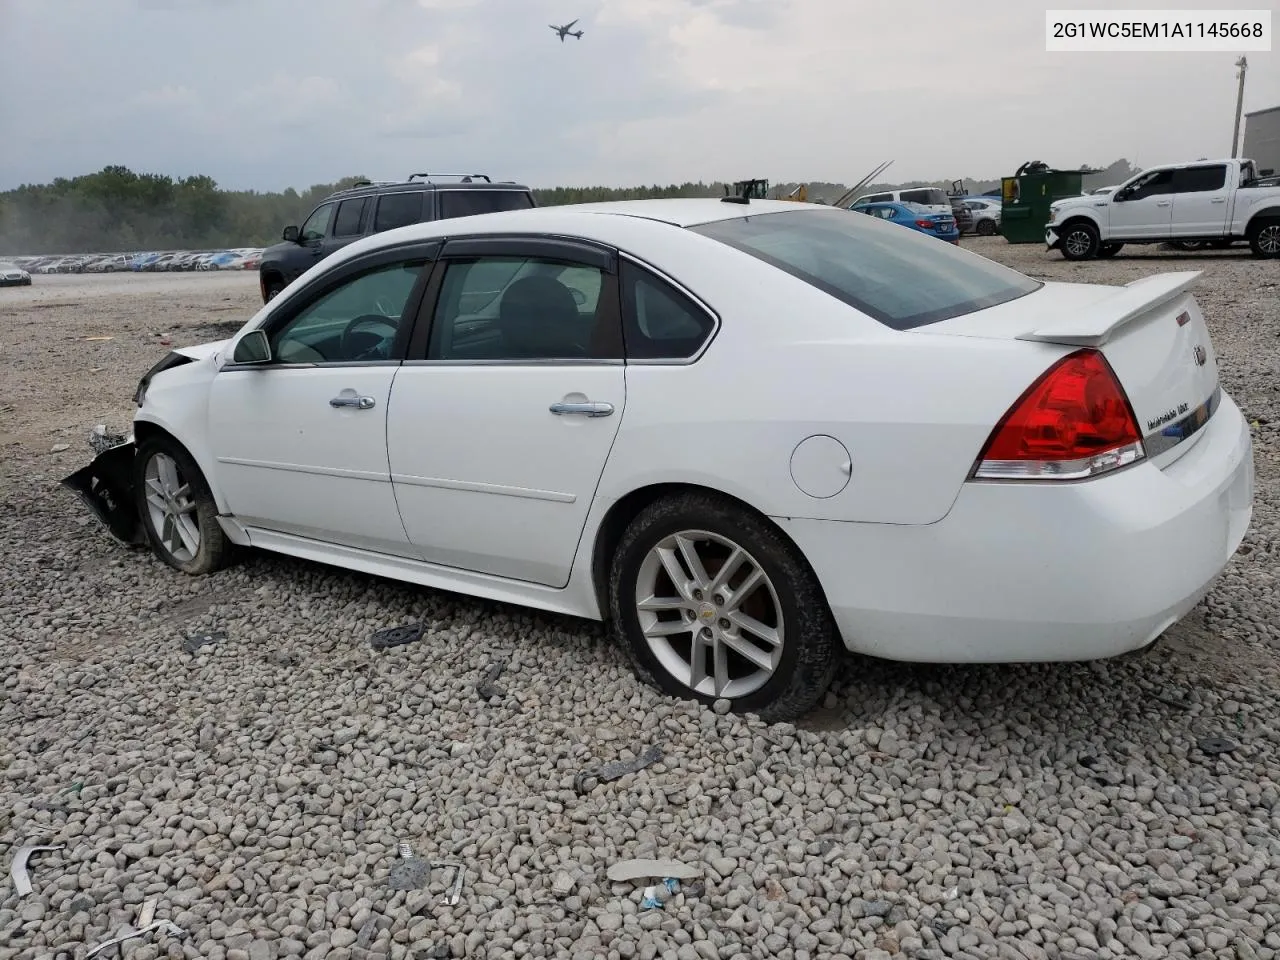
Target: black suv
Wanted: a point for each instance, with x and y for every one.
(367, 208)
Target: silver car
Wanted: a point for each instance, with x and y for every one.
(986, 215)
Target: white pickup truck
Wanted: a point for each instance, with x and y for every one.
(1217, 201)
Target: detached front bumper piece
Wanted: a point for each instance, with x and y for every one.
(106, 487)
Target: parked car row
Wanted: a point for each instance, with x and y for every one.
(240, 258)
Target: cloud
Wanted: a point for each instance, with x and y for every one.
(295, 92)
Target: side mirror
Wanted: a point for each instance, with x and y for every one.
(253, 347)
(290, 234)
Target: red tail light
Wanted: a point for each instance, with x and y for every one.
(926, 224)
(1074, 422)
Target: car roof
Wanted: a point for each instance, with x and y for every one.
(409, 186)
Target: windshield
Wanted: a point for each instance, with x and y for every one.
(902, 278)
(932, 196)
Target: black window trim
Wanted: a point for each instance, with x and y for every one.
(577, 251)
(284, 310)
(697, 301)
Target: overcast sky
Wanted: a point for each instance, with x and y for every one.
(266, 94)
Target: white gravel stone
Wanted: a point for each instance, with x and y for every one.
(258, 789)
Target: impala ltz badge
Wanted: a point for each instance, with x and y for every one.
(1201, 355)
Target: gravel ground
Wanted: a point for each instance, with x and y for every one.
(257, 788)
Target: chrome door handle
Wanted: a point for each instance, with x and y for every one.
(1217, 199)
(360, 403)
(585, 409)
(1162, 203)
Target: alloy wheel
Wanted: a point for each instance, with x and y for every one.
(1078, 242)
(1269, 239)
(171, 508)
(710, 614)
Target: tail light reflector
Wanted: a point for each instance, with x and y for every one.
(1074, 422)
(926, 224)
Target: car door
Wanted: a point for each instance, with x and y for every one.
(1199, 196)
(1143, 210)
(505, 410)
(348, 224)
(311, 239)
(300, 441)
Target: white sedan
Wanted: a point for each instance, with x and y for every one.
(746, 434)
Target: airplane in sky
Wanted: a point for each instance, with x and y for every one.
(567, 30)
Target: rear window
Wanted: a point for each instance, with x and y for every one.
(901, 277)
(928, 195)
(465, 203)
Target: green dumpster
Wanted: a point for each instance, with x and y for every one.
(1026, 197)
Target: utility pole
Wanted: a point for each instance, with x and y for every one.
(1243, 64)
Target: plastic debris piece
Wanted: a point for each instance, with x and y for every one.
(488, 687)
(454, 895)
(101, 439)
(395, 636)
(194, 641)
(1216, 745)
(657, 895)
(145, 925)
(587, 779)
(18, 868)
(413, 873)
(642, 869)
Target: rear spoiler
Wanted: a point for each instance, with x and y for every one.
(1093, 327)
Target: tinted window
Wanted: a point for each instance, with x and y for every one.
(464, 203)
(518, 308)
(1159, 182)
(317, 225)
(1198, 179)
(902, 278)
(323, 332)
(877, 198)
(658, 321)
(398, 210)
(347, 223)
(926, 195)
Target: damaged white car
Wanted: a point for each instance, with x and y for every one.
(746, 433)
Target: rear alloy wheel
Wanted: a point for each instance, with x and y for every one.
(1264, 239)
(177, 510)
(1080, 241)
(1109, 249)
(986, 228)
(713, 602)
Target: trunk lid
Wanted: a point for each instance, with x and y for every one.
(1151, 331)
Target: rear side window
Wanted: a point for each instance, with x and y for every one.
(877, 198)
(902, 278)
(465, 203)
(398, 210)
(1200, 179)
(347, 223)
(658, 321)
(929, 195)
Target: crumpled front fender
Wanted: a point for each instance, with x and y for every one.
(106, 487)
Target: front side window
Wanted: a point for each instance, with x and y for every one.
(902, 278)
(398, 210)
(356, 321)
(465, 203)
(1153, 184)
(1200, 179)
(316, 226)
(518, 308)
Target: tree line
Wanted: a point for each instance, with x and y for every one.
(118, 210)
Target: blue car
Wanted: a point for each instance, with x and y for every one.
(913, 215)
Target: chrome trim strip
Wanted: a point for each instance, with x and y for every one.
(1061, 470)
(306, 468)
(526, 362)
(470, 486)
(1172, 434)
(273, 365)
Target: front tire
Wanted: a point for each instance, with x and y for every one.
(271, 289)
(177, 509)
(1264, 238)
(713, 602)
(1080, 241)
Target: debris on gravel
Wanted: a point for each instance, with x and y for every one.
(258, 791)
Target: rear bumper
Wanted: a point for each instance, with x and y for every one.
(1029, 572)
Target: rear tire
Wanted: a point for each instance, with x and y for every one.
(697, 627)
(1264, 238)
(177, 509)
(986, 228)
(1108, 250)
(1080, 241)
